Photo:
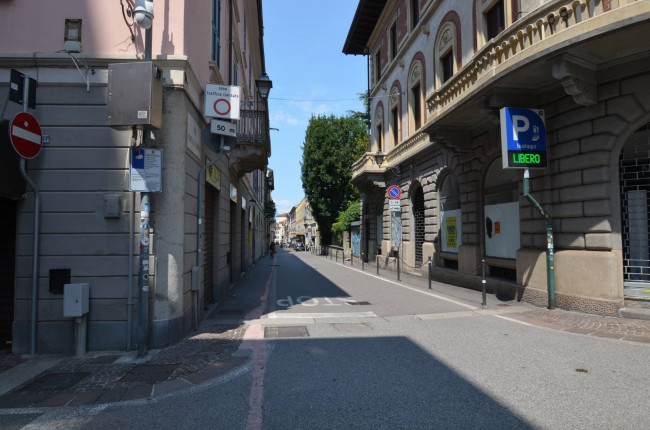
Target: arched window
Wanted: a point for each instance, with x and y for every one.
(415, 96)
(450, 215)
(394, 116)
(447, 50)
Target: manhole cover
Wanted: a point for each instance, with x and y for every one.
(55, 381)
(149, 373)
(289, 331)
(358, 303)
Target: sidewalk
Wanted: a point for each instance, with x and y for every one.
(213, 351)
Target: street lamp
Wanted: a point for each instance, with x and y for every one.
(264, 85)
(379, 157)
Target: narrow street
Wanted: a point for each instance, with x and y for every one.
(334, 347)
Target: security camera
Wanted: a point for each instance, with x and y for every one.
(143, 11)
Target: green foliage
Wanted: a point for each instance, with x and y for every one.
(347, 217)
(331, 146)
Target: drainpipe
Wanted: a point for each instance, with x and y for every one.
(129, 302)
(550, 267)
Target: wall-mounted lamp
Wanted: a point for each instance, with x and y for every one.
(264, 85)
(379, 157)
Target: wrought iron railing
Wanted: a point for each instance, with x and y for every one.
(252, 126)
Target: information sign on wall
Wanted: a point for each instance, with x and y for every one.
(145, 173)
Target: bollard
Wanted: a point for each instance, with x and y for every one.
(362, 261)
(429, 272)
(337, 255)
(377, 264)
(398, 267)
(351, 258)
(483, 282)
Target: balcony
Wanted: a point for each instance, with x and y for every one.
(253, 142)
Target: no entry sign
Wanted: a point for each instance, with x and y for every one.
(25, 135)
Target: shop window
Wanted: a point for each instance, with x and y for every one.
(450, 215)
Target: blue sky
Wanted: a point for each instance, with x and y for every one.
(303, 43)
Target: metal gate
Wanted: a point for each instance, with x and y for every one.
(634, 168)
(418, 217)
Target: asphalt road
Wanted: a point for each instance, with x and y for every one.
(337, 348)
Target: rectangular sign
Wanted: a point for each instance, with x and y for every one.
(213, 175)
(221, 101)
(394, 206)
(523, 138)
(145, 173)
(224, 128)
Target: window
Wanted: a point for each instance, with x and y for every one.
(378, 66)
(216, 32)
(447, 48)
(393, 41)
(394, 126)
(415, 13)
(380, 144)
(495, 20)
(416, 107)
(415, 85)
(447, 62)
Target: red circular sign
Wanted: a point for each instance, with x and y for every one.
(220, 101)
(394, 192)
(25, 135)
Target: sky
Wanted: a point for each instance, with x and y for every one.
(303, 44)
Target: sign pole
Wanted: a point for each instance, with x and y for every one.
(550, 265)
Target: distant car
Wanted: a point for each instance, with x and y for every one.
(300, 247)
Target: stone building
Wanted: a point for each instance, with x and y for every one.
(89, 218)
(439, 73)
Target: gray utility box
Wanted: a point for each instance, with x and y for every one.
(75, 299)
(134, 94)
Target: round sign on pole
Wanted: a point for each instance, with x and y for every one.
(394, 192)
(25, 135)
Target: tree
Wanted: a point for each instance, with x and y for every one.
(331, 146)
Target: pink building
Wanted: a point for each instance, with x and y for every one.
(88, 224)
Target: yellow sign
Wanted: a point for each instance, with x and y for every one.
(213, 176)
(450, 226)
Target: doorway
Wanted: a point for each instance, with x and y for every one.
(8, 209)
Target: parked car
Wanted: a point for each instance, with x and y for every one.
(300, 247)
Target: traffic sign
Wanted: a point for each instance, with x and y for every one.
(523, 138)
(225, 128)
(25, 135)
(394, 192)
(221, 101)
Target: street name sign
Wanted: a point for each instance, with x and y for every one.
(221, 101)
(25, 135)
(523, 138)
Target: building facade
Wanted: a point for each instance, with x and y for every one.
(440, 72)
(89, 218)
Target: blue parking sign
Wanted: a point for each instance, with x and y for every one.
(523, 138)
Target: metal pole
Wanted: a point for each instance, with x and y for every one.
(35, 238)
(483, 282)
(145, 208)
(550, 264)
(337, 255)
(351, 257)
(429, 277)
(362, 261)
(377, 258)
(398, 267)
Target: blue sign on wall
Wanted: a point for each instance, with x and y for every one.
(523, 138)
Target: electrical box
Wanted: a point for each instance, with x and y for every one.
(112, 206)
(75, 299)
(134, 94)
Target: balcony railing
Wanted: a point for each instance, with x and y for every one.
(252, 126)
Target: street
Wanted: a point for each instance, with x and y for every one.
(332, 347)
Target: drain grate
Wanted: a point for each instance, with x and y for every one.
(358, 303)
(288, 331)
(149, 373)
(55, 381)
